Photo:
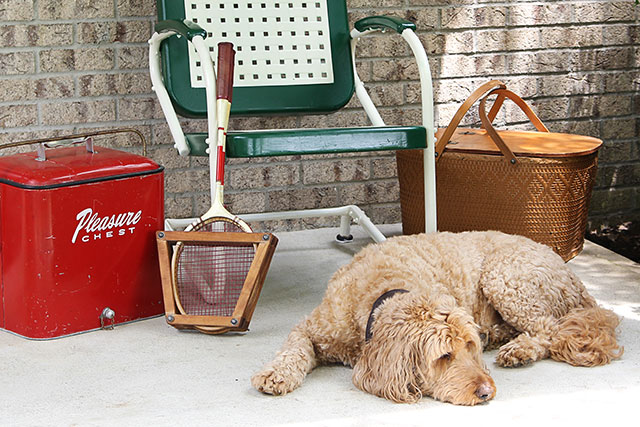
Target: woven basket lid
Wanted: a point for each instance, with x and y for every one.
(528, 143)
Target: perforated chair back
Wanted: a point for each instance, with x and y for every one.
(287, 52)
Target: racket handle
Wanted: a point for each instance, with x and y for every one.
(226, 58)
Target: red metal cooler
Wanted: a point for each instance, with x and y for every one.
(77, 239)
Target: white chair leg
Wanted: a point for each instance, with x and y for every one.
(360, 218)
(345, 229)
(347, 214)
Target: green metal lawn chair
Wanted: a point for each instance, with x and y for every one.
(294, 56)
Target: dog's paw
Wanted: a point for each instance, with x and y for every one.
(273, 382)
(523, 350)
(512, 355)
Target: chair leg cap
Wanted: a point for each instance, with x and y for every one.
(344, 239)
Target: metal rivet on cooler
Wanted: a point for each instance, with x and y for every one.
(234, 322)
(161, 235)
(170, 318)
(265, 237)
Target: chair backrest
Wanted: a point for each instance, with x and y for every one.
(293, 56)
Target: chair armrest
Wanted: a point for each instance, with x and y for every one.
(184, 28)
(195, 35)
(406, 30)
(383, 23)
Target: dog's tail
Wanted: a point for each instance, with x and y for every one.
(586, 337)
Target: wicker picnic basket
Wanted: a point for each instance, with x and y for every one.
(535, 184)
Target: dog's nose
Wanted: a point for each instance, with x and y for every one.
(485, 391)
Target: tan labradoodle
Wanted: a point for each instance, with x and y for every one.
(466, 292)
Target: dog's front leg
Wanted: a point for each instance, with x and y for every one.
(295, 360)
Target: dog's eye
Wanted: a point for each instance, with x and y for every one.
(446, 356)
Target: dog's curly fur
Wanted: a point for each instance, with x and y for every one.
(467, 292)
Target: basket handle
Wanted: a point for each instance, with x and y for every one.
(505, 93)
(486, 120)
(462, 111)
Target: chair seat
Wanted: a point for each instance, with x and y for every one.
(314, 141)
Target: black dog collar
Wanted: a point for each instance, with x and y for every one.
(368, 333)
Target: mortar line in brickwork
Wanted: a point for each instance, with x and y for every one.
(77, 99)
(79, 73)
(302, 185)
(75, 44)
(629, 162)
(600, 47)
(36, 22)
(244, 166)
(117, 110)
(39, 114)
(569, 74)
(38, 74)
(71, 126)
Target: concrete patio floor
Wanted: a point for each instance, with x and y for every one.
(148, 373)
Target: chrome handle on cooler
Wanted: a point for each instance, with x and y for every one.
(40, 148)
(78, 138)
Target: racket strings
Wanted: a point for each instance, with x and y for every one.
(210, 278)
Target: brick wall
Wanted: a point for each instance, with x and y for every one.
(75, 65)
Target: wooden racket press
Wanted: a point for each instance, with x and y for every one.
(236, 314)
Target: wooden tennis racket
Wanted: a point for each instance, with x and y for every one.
(208, 279)
(218, 218)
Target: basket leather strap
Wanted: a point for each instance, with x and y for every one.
(486, 120)
(464, 108)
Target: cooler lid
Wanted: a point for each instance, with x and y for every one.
(71, 166)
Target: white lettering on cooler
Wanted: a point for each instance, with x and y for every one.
(94, 225)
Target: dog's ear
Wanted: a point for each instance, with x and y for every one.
(388, 366)
(387, 369)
